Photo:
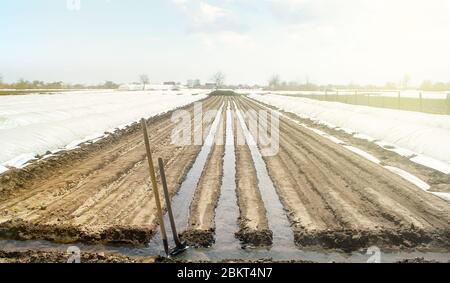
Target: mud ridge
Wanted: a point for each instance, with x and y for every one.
(254, 227)
(67, 234)
(352, 240)
(61, 257)
(199, 238)
(254, 238)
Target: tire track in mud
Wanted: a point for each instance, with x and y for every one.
(359, 202)
(101, 198)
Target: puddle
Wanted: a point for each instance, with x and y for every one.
(221, 253)
(227, 211)
(181, 202)
(276, 215)
(227, 246)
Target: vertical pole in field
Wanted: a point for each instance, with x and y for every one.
(168, 203)
(448, 103)
(155, 187)
(421, 102)
(398, 100)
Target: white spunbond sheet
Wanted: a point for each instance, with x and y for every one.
(426, 161)
(35, 124)
(425, 134)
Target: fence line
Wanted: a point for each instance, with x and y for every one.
(418, 104)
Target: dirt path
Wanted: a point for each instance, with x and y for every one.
(337, 199)
(99, 193)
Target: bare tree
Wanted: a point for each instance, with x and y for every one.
(219, 79)
(405, 81)
(274, 81)
(144, 80)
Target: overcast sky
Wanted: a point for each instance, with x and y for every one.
(328, 41)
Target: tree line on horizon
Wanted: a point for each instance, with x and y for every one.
(37, 84)
(274, 83)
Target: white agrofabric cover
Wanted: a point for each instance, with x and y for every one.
(35, 124)
(421, 133)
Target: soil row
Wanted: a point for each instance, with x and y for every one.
(99, 193)
(337, 199)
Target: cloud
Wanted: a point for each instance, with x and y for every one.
(226, 39)
(364, 41)
(207, 18)
(303, 11)
(381, 39)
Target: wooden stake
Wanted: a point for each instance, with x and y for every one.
(168, 203)
(155, 187)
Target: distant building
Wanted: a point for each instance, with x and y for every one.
(138, 86)
(131, 86)
(170, 83)
(193, 83)
(210, 85)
